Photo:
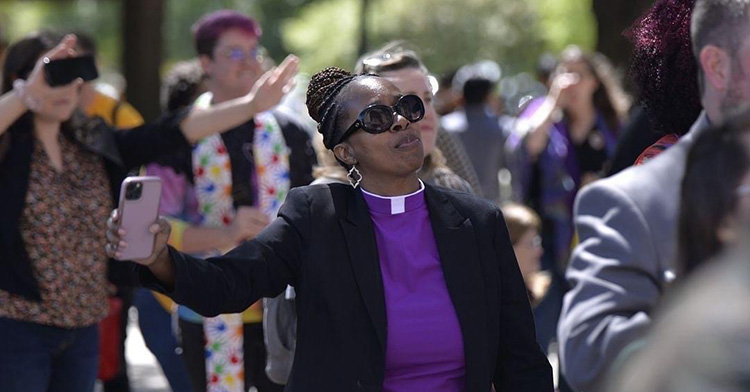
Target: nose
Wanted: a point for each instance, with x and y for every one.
(400, 123)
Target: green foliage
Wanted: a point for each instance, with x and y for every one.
(566, 22)
(447, 33)
(450, 33)
(324, 34)
(180, 16)
(98, 18)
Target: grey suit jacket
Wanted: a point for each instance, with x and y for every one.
(626, 227)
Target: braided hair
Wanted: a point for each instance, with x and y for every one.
(322, 104)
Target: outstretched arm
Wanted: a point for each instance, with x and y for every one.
(228, 284)
(266, 93)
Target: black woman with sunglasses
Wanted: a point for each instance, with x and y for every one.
(401, 286)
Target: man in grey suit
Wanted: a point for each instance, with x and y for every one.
(627, 223)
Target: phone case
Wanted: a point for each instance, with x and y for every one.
(137, 215)
(63, 71)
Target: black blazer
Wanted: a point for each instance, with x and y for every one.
(323, 244)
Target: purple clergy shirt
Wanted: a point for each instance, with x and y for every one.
(424, 348)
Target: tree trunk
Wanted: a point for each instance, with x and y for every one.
(363, 41)
(142, 54)
(613, 18)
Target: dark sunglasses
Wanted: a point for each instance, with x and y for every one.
(379, 118)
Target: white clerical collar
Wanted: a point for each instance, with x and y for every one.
(397, 203)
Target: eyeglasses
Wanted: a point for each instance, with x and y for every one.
(241, 55)
(379, 118)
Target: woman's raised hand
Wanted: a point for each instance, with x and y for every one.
(273, 85)
(561, 87)
(36, 84)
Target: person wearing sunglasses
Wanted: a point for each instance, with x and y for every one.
(400, 285)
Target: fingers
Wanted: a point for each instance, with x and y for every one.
(112, 251)
(568, 79)
(281, 75)
(287, 70)
(264, 78)
(161, 226)
(114, 216)
(289, 86)
(63, 49)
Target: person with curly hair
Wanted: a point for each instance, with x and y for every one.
(665, 72)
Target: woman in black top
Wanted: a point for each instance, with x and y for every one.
(332, 245)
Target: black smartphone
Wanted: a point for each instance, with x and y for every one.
(63, 71)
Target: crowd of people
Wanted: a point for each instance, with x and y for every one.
(388, 230)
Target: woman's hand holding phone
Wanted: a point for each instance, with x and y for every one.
(36, 86)
(116, 243)
(159, 262)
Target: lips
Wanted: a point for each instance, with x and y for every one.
(408, 140)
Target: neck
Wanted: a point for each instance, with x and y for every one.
(711, 103)
(390, 186)
(581, 121)
(583, 113)
(46, 130)
(221, 95)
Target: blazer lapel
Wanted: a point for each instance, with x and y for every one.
(363, 254)
(456, 242)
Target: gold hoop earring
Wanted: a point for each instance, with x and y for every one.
(354, 177)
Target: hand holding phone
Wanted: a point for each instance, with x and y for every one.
(138, 210)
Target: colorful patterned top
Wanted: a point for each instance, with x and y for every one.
(657, 148)
(63, 226)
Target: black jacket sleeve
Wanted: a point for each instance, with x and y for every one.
(521, 364)
(259, 268)
(143, 144)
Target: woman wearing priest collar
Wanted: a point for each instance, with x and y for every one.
(401, 286)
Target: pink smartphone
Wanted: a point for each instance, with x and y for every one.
(139, 209)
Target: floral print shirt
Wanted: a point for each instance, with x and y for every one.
(63, 227)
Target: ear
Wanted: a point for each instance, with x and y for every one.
(345, 153)
(205, 61)
(716, 65)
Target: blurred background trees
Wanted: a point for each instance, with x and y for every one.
(140, 38)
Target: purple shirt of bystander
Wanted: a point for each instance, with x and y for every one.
(424, 348)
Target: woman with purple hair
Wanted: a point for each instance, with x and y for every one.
(665, 72)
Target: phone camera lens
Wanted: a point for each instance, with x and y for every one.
(133, 191)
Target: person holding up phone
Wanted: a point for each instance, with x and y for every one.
(60, 173)
(400, 285)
